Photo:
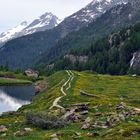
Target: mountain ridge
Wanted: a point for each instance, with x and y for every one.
(116, 18)
(44, 22)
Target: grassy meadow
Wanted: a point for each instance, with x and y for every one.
(110, 91)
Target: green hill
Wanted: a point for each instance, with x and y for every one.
(93, 106)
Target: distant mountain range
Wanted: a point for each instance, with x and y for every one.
(97, 19)
(44, 22)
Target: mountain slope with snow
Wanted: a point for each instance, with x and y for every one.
(95, 9)
(44, 22)
(36, 45)
(88, 14)
(5, 36)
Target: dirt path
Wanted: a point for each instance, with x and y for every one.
(68, 82)
(72, 76)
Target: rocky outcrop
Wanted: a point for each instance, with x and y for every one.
(23, 132)
(135, 61)
(3, 129)
(74, 58)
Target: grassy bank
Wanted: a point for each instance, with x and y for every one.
(110, 91)
(9, 82)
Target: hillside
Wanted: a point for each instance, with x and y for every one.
(118, 17)
(117, 53)
(93, 106)
(34, 47)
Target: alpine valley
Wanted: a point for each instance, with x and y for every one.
(35, 45)
(73, 79)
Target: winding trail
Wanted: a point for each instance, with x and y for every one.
(68, 82)
(72, 76)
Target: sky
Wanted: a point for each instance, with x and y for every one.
(13, 12)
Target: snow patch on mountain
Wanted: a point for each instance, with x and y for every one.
(11, 32)
(44, 22)
(95, 9)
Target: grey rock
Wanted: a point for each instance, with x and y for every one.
(54, 139)
(3, 129)
(86, 126)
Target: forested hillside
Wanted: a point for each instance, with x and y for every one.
(113, 54)
(113, 20)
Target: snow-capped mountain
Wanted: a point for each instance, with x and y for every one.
(95, 9)
(44, 46)
(44, 22)
(88, 14)
(5, 36)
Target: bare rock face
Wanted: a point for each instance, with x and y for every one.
(135, 61)
(75, 59)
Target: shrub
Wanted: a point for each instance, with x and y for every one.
(44, 121)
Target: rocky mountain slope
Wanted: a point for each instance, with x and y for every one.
(44, 22)
(33, 46)
(88, 14)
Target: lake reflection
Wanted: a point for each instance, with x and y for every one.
(13, 97)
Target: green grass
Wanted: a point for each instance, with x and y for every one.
(9, 81)
(16, 79)
(109, 89)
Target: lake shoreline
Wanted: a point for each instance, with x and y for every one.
(14, 96)
(14, 82)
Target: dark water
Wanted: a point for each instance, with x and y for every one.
(13, 97)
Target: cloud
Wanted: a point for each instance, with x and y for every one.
(12, 12)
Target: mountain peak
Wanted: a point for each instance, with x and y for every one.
(45, 15)
(24, 23)
(44, 22)
(95, 9)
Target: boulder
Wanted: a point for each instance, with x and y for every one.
(88, 120)
(54, 135)
(98, 114)
(57, 134)
(92, 134)
(120, 106)
(37, 89)
(84, 112)
(3, 129)
(28, 129)
(77, 134)
(85, 126)
(54, 139)
(23, 132)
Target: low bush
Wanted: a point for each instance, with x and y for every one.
(44, 121)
